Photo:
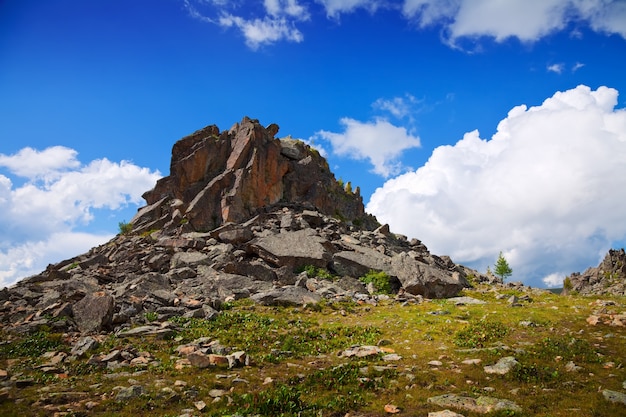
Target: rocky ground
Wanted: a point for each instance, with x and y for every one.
(496, 349)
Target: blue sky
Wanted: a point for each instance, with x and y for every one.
(476, 126)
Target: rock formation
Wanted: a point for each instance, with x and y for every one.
(241, 214)
(609, 277)
(219, 177)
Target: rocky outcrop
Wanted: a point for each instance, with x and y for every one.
(609, 277)
(220, 177)
(192, 274)
(241, 215)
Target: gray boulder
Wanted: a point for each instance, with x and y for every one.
(294, 249)
(94, 312)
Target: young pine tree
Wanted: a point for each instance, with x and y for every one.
(502, 268)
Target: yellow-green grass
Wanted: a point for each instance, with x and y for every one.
(296, 368)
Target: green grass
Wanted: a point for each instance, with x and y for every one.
(296, 369)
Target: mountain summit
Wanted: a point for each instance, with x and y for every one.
(220, 177)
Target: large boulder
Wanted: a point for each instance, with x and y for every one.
(294, 249)
(422, 279)
(94, 312)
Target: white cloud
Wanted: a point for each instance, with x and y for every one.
(277, 23)
(32, 257)
(577, 66)
(335, 7)
(526, 20)
(399, 107)
(263, 31)
(378, 141)
(522, 19)
(545, 190)
(286, 7)
(554, 280)
(59, 196)
(556, 68)
(31, 163)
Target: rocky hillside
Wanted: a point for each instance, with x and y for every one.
(609, 277)
(241, 215)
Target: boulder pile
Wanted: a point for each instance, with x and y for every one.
(241, 215)
(608, 278)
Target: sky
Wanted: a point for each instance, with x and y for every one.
(476, 126)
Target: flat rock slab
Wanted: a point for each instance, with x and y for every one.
(481, 404)
(460, 301)
(294, 249)
(286, 296)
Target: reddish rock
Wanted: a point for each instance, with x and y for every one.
(217, 178)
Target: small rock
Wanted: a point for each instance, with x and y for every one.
(83, 345)
(503, 366)
(391, 357)
(614, 396)
(435, 363)
(128, 393)
(472, 361)
(445, 413)
(200, 360)
(216, 393)
(391, 409)
(200, 405)
(572, 367)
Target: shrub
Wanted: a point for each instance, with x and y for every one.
(380, 280)
(125, 228)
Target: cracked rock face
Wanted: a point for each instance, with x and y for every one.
(220, 177)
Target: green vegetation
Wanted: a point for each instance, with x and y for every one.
(379, 279)
(502, 268)
(315, 272)
(480, 334)
(125, 228)
(296, 368)
(32, 346)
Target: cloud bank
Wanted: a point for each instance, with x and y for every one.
(546, 189)
(55, 194)
(269, 21)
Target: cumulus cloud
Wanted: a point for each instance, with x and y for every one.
(31, 163)
(378, 141)
(58, 196)
(545, 189)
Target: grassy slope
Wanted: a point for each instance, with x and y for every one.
(297, 349)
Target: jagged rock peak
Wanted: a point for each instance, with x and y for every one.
(229, 176)
(609, 277)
